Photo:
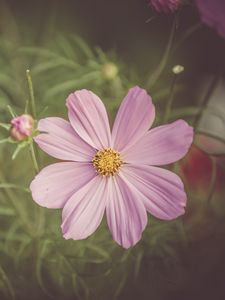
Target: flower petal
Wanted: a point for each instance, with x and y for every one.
(83, 213)
(126, 214)
(135, 116)
(88, 116)
(55, 184)
(162, 191)
(162, 145)
(62, 142)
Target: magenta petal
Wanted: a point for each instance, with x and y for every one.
(83, 213)
(126, 214)
(162, 145)
(89, 118)
(162, 191)
(55, 184)
(135, 116)
(166, 6)
(62, 142)
(212, 14)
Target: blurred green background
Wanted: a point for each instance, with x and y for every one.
(108, 47)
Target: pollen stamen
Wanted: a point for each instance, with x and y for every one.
(107, 162)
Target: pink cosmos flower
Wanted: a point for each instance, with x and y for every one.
(114, 172)
(22, 127)
(166, 6)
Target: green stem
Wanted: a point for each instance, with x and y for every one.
(39, 211)
(187, 34)
(170, 100)
(31, 92)
(33, 110)
(156, 74)
(33, 156)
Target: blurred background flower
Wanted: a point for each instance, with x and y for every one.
(212, 14)
(166, 6)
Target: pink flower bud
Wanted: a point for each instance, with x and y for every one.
(166, 6)
(22, 127)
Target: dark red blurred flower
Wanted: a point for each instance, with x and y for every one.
(166, 6)
(197, 168)
(212, 13)
(206, 199)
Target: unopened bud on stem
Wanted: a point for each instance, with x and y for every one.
(22, 127)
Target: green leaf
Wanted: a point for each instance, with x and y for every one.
(11, 111)
(3, 100)
(13, 186)
(38, 51)
(5, 126)
(4, 141)
(80, 287)
(83, 46)
(72, 84)
(52, 64)
(137, 265)
(43, 111)
(7, 211)
(44, 248)
(101, 54)
(66, 47)
(120, 286)
(11, 235)
(9, 84)
(18, 149)
(23, 246)
(8, 140)
(7, 286)
(100, 251)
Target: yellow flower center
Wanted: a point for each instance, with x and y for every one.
(107, 162)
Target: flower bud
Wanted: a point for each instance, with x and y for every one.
(109, 71)
(22, 127)
(178, 69)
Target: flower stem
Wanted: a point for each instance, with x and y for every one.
(156, 74)
(31, 92)
(170, 100)
(39, 212)
(187, 34)
(33, 111)
(33, 156)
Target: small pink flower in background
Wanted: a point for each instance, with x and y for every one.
(166, 6)
(212, 13)
(22, 127)
(114, 172)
